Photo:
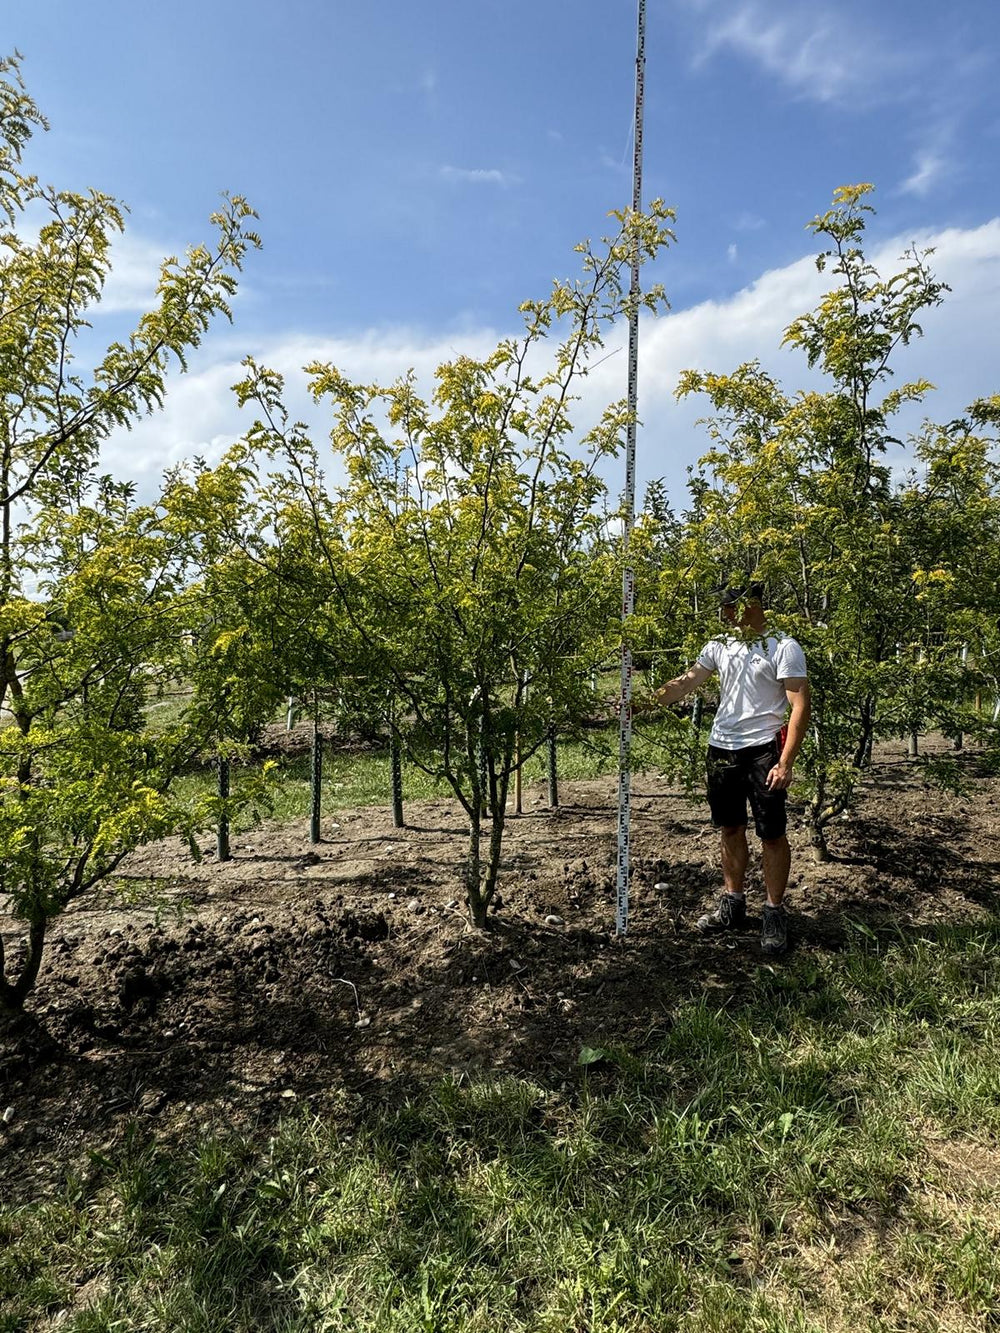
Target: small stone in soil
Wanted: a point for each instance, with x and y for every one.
(553, 920)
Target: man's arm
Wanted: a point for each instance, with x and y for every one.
(797, 693)
(681, 685)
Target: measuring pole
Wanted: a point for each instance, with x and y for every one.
(628, 575)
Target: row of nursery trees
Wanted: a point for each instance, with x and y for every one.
(460, 579)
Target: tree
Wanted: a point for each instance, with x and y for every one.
(464, 548)
(264, 625)
(949, 511)
(799, 493)
(91, 585)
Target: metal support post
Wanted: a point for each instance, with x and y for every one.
(959, 738)
(222, 833)
(315, 781)
(396, 762)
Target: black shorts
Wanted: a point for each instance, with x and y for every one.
(735, 775)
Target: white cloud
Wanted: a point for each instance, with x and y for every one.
(930, 168)
(477, 176)
(814, 50)
(749, 222)
(201, 417)
(732, 254)
(135, 264)
(956, 353)
(135, 271)
(131, 285)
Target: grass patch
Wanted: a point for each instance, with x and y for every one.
(352, 779)
(823, 1158)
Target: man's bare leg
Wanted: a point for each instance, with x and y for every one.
(777, 858)
(735, 854)
(731, 911)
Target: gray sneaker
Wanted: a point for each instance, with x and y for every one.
(731, 914)
(774, 930)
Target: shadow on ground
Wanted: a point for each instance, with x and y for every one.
(351, 977)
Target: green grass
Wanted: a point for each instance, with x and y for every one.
(795, 1163)
(362, 779)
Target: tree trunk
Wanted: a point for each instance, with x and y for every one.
(863, 753)
(493, 864)
(553, 766)
(482, 756)
(498, 797)
(13, 994)
(7, 1002)
(697, 712)
(694, 737)
(913, 744)
(473, 868)
(817, 837)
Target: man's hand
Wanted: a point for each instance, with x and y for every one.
(646, 705)
(779, 777)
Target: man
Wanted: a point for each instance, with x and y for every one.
(751, 751)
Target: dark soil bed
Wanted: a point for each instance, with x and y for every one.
(212, 994)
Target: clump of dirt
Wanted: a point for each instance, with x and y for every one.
(224, 993)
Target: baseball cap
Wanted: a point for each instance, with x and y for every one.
(740, 590)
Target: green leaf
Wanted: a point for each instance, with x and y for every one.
(591, 1055)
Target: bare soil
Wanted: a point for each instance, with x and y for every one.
(337, 976)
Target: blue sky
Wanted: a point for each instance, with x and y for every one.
(419, 169)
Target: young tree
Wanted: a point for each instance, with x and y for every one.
(91, 607)
(464, 547)
(949, 511)
(264, 625)
(799, 493)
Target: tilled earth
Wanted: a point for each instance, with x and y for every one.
(345, 974)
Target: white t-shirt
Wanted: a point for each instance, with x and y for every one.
(752, 700)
